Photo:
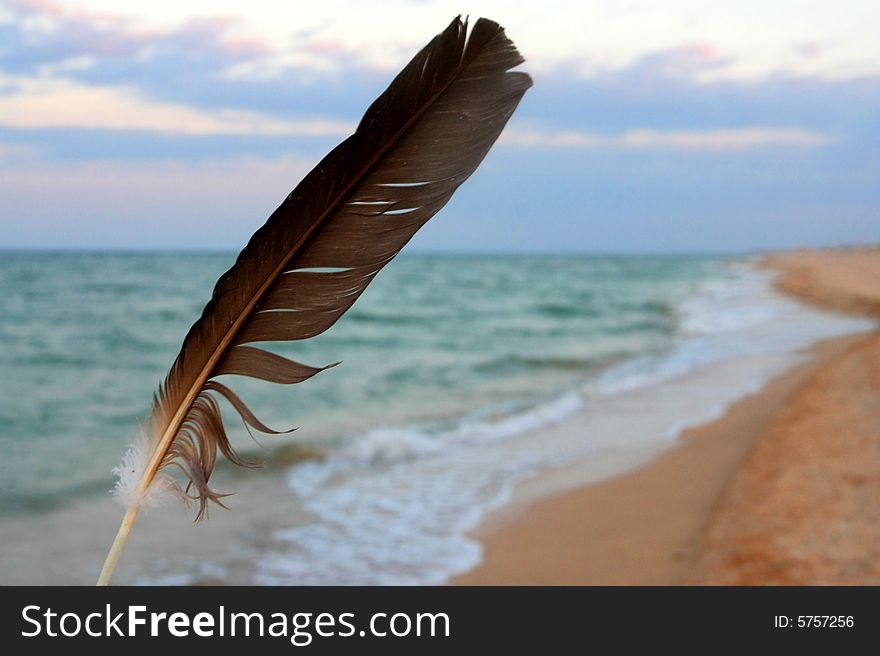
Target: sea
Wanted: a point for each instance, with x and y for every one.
(462, 376)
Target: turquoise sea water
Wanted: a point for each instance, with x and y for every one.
(87, 338)
(462, 378)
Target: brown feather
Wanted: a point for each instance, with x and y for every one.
(423, 137)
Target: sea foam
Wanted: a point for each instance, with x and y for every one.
(396, 504)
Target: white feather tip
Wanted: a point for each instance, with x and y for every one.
(130, 471)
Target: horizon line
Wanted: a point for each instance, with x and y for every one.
(75, 250)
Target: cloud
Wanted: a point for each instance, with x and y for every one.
(263, 38)
(17, 152)
(209, 204)
(45, 33)
(142, 179)
(60, 103)
(712, 141)
(735, 140)
(692, 61)
(808, 49)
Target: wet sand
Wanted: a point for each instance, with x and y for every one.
(781, 489)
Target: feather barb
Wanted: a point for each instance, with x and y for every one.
(315, 255)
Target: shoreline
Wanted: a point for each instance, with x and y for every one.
(802, 509)
(673, 519)
(641, 501)
(640, 527)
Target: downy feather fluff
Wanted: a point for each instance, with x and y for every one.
(421, 139)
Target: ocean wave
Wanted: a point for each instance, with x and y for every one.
(394, 504)
(510, 390)
(518, 363)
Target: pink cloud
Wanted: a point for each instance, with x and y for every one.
(221, 32)
(683, 60)
(246, 45)
(809, 49)
(105, 33)
(687, 61)
(61, 12)
(326, 46)
(41, 104)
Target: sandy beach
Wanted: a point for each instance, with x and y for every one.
(780, 490)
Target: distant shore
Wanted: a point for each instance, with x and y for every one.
(780, 490)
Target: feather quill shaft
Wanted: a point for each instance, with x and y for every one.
(416, 144)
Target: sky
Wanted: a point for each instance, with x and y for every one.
(672, 126)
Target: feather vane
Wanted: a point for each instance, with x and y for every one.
(315, 255)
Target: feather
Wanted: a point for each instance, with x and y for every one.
(315, 255)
